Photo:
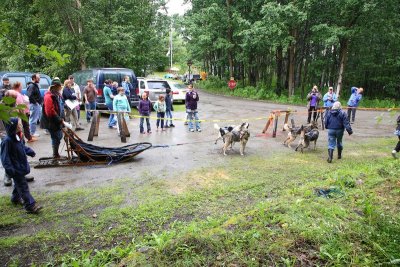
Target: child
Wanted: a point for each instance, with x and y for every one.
(15, 163)
(121, 104)
(169, 108)
(144, 111)
(192, 97)
(160, 108)
(397, 132)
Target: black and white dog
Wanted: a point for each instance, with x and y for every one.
(233, 133)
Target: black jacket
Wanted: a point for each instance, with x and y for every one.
(337, 119)
(33, 92)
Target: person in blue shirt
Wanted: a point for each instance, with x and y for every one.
(329, 98)
(355, 98)
(109, 96)
(336, 121)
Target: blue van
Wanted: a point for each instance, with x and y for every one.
(24, 78)
(100, 75)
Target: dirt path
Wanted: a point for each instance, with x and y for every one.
(186, 151)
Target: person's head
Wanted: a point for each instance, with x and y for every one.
(161, 98)
(126, 78)
(108, 82)
(337, 105)
(17, 86)
(144, 95)
(330, 90)
(115, 84)
(89, 82)
(360, 90)
(315, 88)
(190, 87)
(168, 91)
(121, 90)
(55, 86)
(35, 78)
(71, 78)
(6, 81)
(67, 83)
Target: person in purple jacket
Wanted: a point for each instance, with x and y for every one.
(192, 97)
(313, 99)
(144, 111)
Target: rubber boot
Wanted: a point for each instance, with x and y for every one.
(7, 180)
(56, 155)
(330, 155)
(339, 152)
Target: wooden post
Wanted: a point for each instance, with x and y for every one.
(275, 124)
(97, 118)
(269, 121)
(286, 119)
(120, 127)
(93, 126)
(125, 127)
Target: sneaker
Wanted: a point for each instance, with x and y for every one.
(149, 132)
(35, 135)
(142, 133)
(186, 123)
(166, 126)
(35, 209)
(199, 130)
(394, 154)
(171, 125)
(191, 130)
(79, 129)
(46, 132)
(18, 202)
(29, 178)
(7, 181)
(114, 127)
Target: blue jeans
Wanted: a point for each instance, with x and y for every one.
(21, 190)
(90, 106)
(193, 115)
(56, 137)
(34, 115)
(168, 114)
(147, 122)
(335, 137)
(111, 121)
(160, 117)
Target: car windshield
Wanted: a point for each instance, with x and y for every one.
(178, 86)
(158, 84)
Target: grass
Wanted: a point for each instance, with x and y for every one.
(252, 211)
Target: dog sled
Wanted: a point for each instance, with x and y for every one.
(80, 153)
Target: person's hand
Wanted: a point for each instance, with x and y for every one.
(33, 154)
(350, 133)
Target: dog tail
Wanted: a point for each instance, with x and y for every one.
(216, 127)
(287, 127)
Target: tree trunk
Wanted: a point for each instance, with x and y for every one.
(230, 37)
(279, 69)
(291, 64)
(343, 58)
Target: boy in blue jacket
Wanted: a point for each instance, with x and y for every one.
(15, 163)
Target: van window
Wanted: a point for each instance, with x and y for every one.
(81, 77)
(20, 79)
(157, 84)
(142, 85)
(44, 83)
(113, 76)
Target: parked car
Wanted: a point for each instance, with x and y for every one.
(178, 91)
(154, 86)
(100, 75)
(24, 78)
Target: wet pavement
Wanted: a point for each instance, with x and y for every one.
(182, 151)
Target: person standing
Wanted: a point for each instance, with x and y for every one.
(5, 87)
(354, 100)
(397, 132)
(108, 96)
(121, 104)
(313, 99)
(126, 84)
(35, 103)
(336, 121)
(78, 95)
(52, 115)
(329, 98)
(192, 97)
(69, 94)
(144, 111)
(14, 159)
(160, 108)
(168, 108)
(90, 93)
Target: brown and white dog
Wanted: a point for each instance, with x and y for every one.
(233, 134)
(293, 132)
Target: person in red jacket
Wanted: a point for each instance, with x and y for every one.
(53, 120)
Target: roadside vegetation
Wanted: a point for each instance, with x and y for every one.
(263, 92)
(262, 211)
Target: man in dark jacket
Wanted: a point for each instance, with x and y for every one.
(192, 97)
(35, 103)
(5, 87)
(336, 121)
(15, 163)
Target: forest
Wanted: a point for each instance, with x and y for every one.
(282, 46)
